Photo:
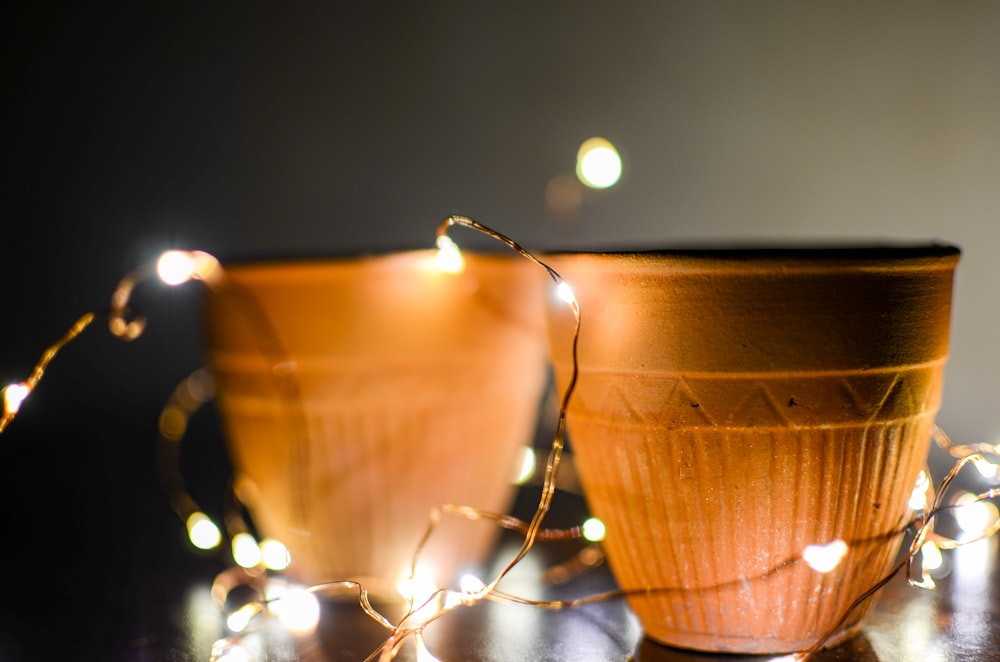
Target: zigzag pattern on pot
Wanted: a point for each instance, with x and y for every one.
(760, 399)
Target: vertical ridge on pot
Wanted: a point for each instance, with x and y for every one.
(733, 410)
(413, 387)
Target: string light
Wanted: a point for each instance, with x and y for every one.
(973, 515)
(246, 551)
(13, 396)
(202, 531)
(930, 556)
(525, 466)
(448, 258)
(824, 558)
(228, 650)
(298, 607)
(918, 498)
(274, 555)
(295, 607)
(240, 619)
(594, 530)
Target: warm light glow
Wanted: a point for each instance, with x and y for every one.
(417, 587)
(974, 517)
(594, 530)
(226, 651)
(918, 498)
(203, 532)
(274, 554)
(824, 558)
(471, 584)
(246, 552)
(565, 293)
(930, 556)
(13, 396)
(424, 655)
(598, 164)
(176, 267)
(296, 608)
(986, 468)
(173, 422)
(449, 258)
(526, 466)
(240, 619)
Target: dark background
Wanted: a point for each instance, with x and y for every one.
(251, 129)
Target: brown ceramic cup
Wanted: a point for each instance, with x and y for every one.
(357, 394)
(735, 407)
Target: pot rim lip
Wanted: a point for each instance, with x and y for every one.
(859, 253)
(373, 259)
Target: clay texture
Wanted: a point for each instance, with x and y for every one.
(358, 394)
(735, 407)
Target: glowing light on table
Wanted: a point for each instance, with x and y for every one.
(240, 619)
(418, 586)
(229, 652)
(296, 607)
(598, 164)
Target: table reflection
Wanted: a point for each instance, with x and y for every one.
(960, 620)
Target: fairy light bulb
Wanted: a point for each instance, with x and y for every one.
(449, 258)
(986, 468)
(593, 530)
(525, 466)
(918, 498)
(296, 608)
(246, 551)
(973, 516)
(202, 531)
(598, 163)
(226, 651)
(13, 396)
(274, 555)
(469, 583)
(175, 267)
(240, 619)
(418, 586)
(423, 654)
(824, 558)
(565, 293)
(930, 556)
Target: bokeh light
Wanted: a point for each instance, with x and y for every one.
(598, 164)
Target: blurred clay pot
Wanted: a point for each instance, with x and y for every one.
(737, 406)
(357, 394)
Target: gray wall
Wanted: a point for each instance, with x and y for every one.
(249, 131)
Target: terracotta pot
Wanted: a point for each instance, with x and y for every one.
(359, 393)
(734, 408)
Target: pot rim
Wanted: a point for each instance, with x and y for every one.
(784, 257)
